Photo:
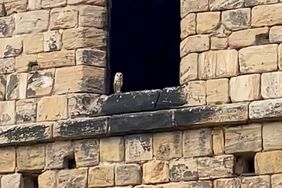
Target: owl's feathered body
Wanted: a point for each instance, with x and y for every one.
(118, 82)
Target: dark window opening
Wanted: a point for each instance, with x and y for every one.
(244, 164)
(30, 180)
(144, 43)
(69, 162)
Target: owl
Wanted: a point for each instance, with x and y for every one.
(118, 81)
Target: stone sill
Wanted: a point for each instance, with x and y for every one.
(143, 122)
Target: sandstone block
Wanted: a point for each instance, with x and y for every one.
(188, 68)
(218, 91)
(218, 141)
(195, 43)
(34, 4)
(243, 139)
(63, 18)
(52, 108)
(228, 182)
(56, 59)
(128, 174)
(7, 26)
(24, 62)
(33, 43)
(31, 158)
(188, 6)
(86, 152)
(32, 22)
(219, 43)
(80, 79)
(195, 92)
(197, 142)
(276, 180)
(216, 167)
(53, 3)
(11, 47)
(26, 110)
(167, 145)
(188, 25)
(91, 56)
(237, 19)
(208, 22)
(266, 109)
(12, 180)
(280, 57)
(218, 64)
(256, 181)
(47, 179)
(56, 153)
(7, 113)
(52, 41)
(272, 136)
(138, 148)
(76, 178)
(271, 85)
(266, 15)
(91, 2)
(16, 86)
(245, 88)
(92, 16)
(7, 65)
(84, 37)
(275, 34)
(7, 159)
(112, 149)
(40, 83)
(258, 59)
(15, 6)
(268, 162)
(155, 172)
(183, 169)
(101, 176)
(259, 2)
(223, 4)
(2, 87)
(248, 37)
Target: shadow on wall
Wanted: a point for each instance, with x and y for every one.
(144, 43)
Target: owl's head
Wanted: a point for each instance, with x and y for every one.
(118, 75)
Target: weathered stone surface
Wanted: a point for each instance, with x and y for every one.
(84, 37)
(268, 162)
(128, 174)
(32, 22)
(195, 43)
(140, 122)
(245, 88)
(56, 59)
(197, 143)
(130, 102)
(2, 87)
(91, 56)
(11, 47)
(223, 4)
(7, 113)
(248, 37)
(266, 109)
(167, 145)
(256, 181)
(26, 133)
(219, 43)
(40, 83)
(188, 25)
(30, 158)
(266, 15)
(237, 19)
(33, 43)
(259, 2)
(56, 153)
(34, 5)
(183, 169)
(63, 18)
(218, 141)
(7, 65)
(80, 128)
(219, 114)
(15, 6)
(272, 136)
(53, 3)
(86, 152)
(12, 180)
(216, 167)
(218, 64)
(189, 68)
(80, 79)
(258, 59)
(155, 172)
(75, 178)
(280, 57)
(170, 97)
(243, 139)
(7, 159)
(138, 148)
(276, 180)
(101, 176)
(24, 63)
(188, 6)
(228, 182)
(189, 184)
(26, 110)
(16, 86)
(208, 22)
(92, 16)
(91, 2)
(52, 108)
(47, 179)
(52, 41)
(217, 91)
(7, 26)
(271, 85)
(275, 34)
(195, 92)
(112, 149)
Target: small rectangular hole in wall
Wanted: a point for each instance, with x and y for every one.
(69, 162)
(245, 164)
(262, 39)
(30, 180)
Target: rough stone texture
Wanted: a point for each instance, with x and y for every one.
(91, 2)
(15, 6)
(53, 3)
(276, 180)
(52, 41)
(7, 65)
(16, 86)
(91, 56)
(24, 62)
(26, 110)
(188, 6)
(280, 57)
(7, 26)
(12, 180)
(92, 16)
(101, 176)
(63, 18)
(33, 43)
(271, 85)
(47, 179)
(259, 2)
(167, 145)
(266, 15)
(56, 59)
(170, 97)
(207, 22)
(183, 169)
(7, 159)
(256, 181)
(223, 4)
(11, 47)
(189, 68)
(75, 178)
(271, 134)
(243, 139)
(215, 167)
(188, 25)
(197, 143)
(195, 93)
(34, 4)
(275, 34)
(86, 152)
(112, 149)
(155, 172)
(228, 182)
(219, 43)
(128, 174)
(218, 141)
(218, 91)
(2, 87)
(236, 19)
(268, 162)
(266, 109)
(195, 43)
(7, 112)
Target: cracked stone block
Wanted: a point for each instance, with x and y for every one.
(26, 110)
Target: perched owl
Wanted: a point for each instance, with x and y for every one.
(118, 81)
